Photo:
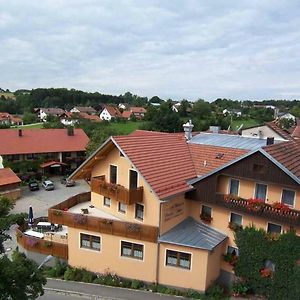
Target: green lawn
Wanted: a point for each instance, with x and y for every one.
(246, 123)
(126, 128)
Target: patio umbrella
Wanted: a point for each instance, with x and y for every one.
(30, 215)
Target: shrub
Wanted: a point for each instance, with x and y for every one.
(136, 284)
(239, 288)
(215, 292)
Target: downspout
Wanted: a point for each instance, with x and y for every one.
(158, 246)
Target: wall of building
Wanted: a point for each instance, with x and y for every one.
(265, 131)
(172, 213)
(150, 202)
(247, 190)
(109, 259)
(195, 278)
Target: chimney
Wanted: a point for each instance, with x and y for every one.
(270, 141)
(260, 134)
(188, 128)
(20, 132)
(214, 129)
(70, 131)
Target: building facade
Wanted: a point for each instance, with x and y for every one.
(163, 208)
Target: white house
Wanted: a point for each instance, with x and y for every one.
(229, 111)
(83, 109)
(110, 112)
(43, 113)
(286, 116)
(175, 107)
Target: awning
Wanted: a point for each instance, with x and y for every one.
(52, 164)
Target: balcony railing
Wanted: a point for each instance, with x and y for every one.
(255, 207)
(116, 191)
(42, 246)
(59, 214)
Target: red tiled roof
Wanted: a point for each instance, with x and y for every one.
(167, 161)
(206, 158)
(41, 141)
(273, 125)
(163, 159)
(126, 114)
(7, 176)
(296, 131)
(113, 111)
(89, 117)
(51, 163)
(136, 109)
(288, 154)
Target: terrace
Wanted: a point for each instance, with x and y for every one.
(77, 212)
(46, 242)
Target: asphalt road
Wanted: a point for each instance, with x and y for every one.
(64, 290)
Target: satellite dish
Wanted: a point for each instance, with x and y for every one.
(1, 162)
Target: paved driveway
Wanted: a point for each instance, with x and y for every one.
(40, 201)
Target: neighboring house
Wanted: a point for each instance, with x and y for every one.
(62, 147)
(286, 116)
(123, 106)
(175, 107)
(126, 114)
(269, 129)
(8, 119)
(234, 112)
(68, 119)
(138, 112)
(43, 113)
(9, 184)
(162, 206)
(110, 112)
(83, 109)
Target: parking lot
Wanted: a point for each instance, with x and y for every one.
(40, 201)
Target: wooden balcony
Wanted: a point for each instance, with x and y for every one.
(268, 211)
(116, 191)
(41, 245)
(59, 214)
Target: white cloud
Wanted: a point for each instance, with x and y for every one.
(178, 49)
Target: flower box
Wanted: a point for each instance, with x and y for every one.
(206, 218)
(233, 226)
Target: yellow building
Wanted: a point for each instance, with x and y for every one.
(162, 206)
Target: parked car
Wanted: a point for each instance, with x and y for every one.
(67, 182)
(33, 186)
(48, 185)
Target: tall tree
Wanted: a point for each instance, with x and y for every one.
(20, 277)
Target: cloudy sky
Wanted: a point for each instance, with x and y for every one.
(171, 48)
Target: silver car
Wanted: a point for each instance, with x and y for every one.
(48, 185)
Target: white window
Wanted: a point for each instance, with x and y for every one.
(107, 202)
(234, 186)
(178, 259)
(90, 242)
(132, 250)
(261, 191)
(288, 197)
(122, 207)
